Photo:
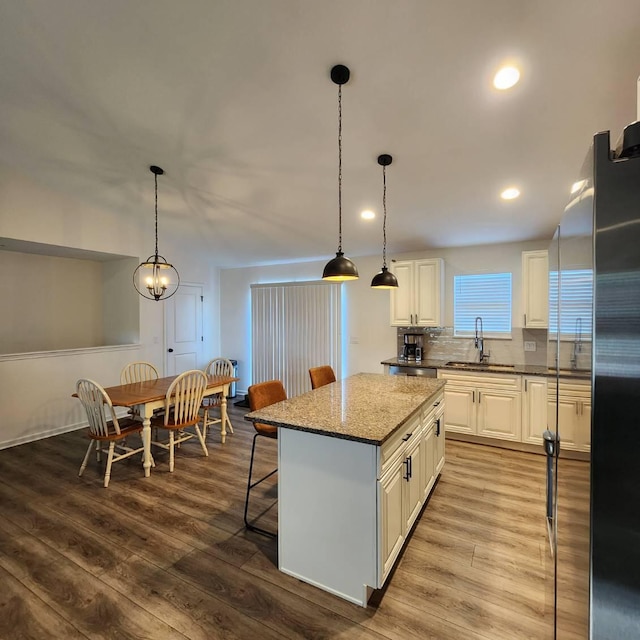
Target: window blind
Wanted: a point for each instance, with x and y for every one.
(487, 295)
(576, 308)
(294, 326)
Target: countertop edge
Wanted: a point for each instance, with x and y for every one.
(519, 369)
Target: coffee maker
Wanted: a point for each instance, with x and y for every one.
(412, 347)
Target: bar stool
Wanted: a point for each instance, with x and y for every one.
(321, 376)
(262, 395)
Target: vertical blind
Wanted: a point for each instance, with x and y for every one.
(294, 326)
(487, 295)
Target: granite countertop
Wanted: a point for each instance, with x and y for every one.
(518, 369)
(366, 407)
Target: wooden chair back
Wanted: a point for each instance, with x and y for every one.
(262, 395)
(321, 376)
(184, 397)
(138, 372)
(219, 367)
(98, 407)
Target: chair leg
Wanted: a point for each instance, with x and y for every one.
(171, 447)
(247, 524)
(83, 466)
(205, 422)
(107, 473)
(202, 442)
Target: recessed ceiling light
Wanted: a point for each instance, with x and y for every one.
(506, 78)
(510, 193)
(367, 214)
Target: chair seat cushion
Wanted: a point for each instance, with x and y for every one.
(266, 429)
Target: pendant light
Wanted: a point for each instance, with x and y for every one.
(155, 278)
(384, 279)
(340, 268)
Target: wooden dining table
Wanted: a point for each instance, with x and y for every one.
(150, 395)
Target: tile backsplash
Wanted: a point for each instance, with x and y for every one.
(440, 344)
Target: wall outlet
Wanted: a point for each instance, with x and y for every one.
(530, 346)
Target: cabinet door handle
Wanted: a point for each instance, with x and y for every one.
(406, 467)
(410, 466)
(479, 397)
(407, 436)
(474, 396)
(525, 386)
(436, 403)
(525, 319)
(438, 427)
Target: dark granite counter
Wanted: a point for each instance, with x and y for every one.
(366, 407)
(518, 369)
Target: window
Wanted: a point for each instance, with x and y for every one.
(576, 287)
(487, 295)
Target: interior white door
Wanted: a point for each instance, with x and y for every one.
(183, 330)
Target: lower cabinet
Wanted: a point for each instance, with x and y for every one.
(408, 475)
(518, 408)
(534, 409)
(483, 404)
(573, 405)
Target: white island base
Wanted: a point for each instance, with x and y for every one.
(346, 507)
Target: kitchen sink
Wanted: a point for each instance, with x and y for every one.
(490, 366)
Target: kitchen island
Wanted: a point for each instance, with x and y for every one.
(357, 460)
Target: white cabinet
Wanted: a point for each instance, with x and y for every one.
(411, 462)
(535, 289)
(418, 299)
(574, 414)
(534, 409)
(483, 404)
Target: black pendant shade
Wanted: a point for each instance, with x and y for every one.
(340, 268)
(156, 279)
(384, 279)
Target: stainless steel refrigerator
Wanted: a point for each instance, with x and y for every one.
(594, 505)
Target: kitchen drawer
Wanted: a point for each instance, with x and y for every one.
(511, 382)
(394, 447)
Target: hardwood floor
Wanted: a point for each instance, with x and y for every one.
(168, 556)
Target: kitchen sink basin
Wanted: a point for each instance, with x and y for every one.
(489, 366)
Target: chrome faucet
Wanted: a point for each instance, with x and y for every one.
(577, 343)
(479, 341)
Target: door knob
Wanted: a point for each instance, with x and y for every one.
(170, 350)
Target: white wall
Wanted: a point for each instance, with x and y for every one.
(370, 338)
(35, 391)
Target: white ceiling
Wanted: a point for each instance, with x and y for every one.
(233, 99)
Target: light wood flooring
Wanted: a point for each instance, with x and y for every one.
(168, 556)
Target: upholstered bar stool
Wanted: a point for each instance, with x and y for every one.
(262, 395)
(321, 376)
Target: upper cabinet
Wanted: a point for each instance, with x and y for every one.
(417, 302)
(535, 289)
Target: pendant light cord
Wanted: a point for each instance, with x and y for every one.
(384, 218)
(156, 177)
(339, 168)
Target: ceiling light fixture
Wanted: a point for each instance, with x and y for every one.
(340, 268)
(384, 279)
(155, 278)
(506, 78)
(510, 193)
(367, 214)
